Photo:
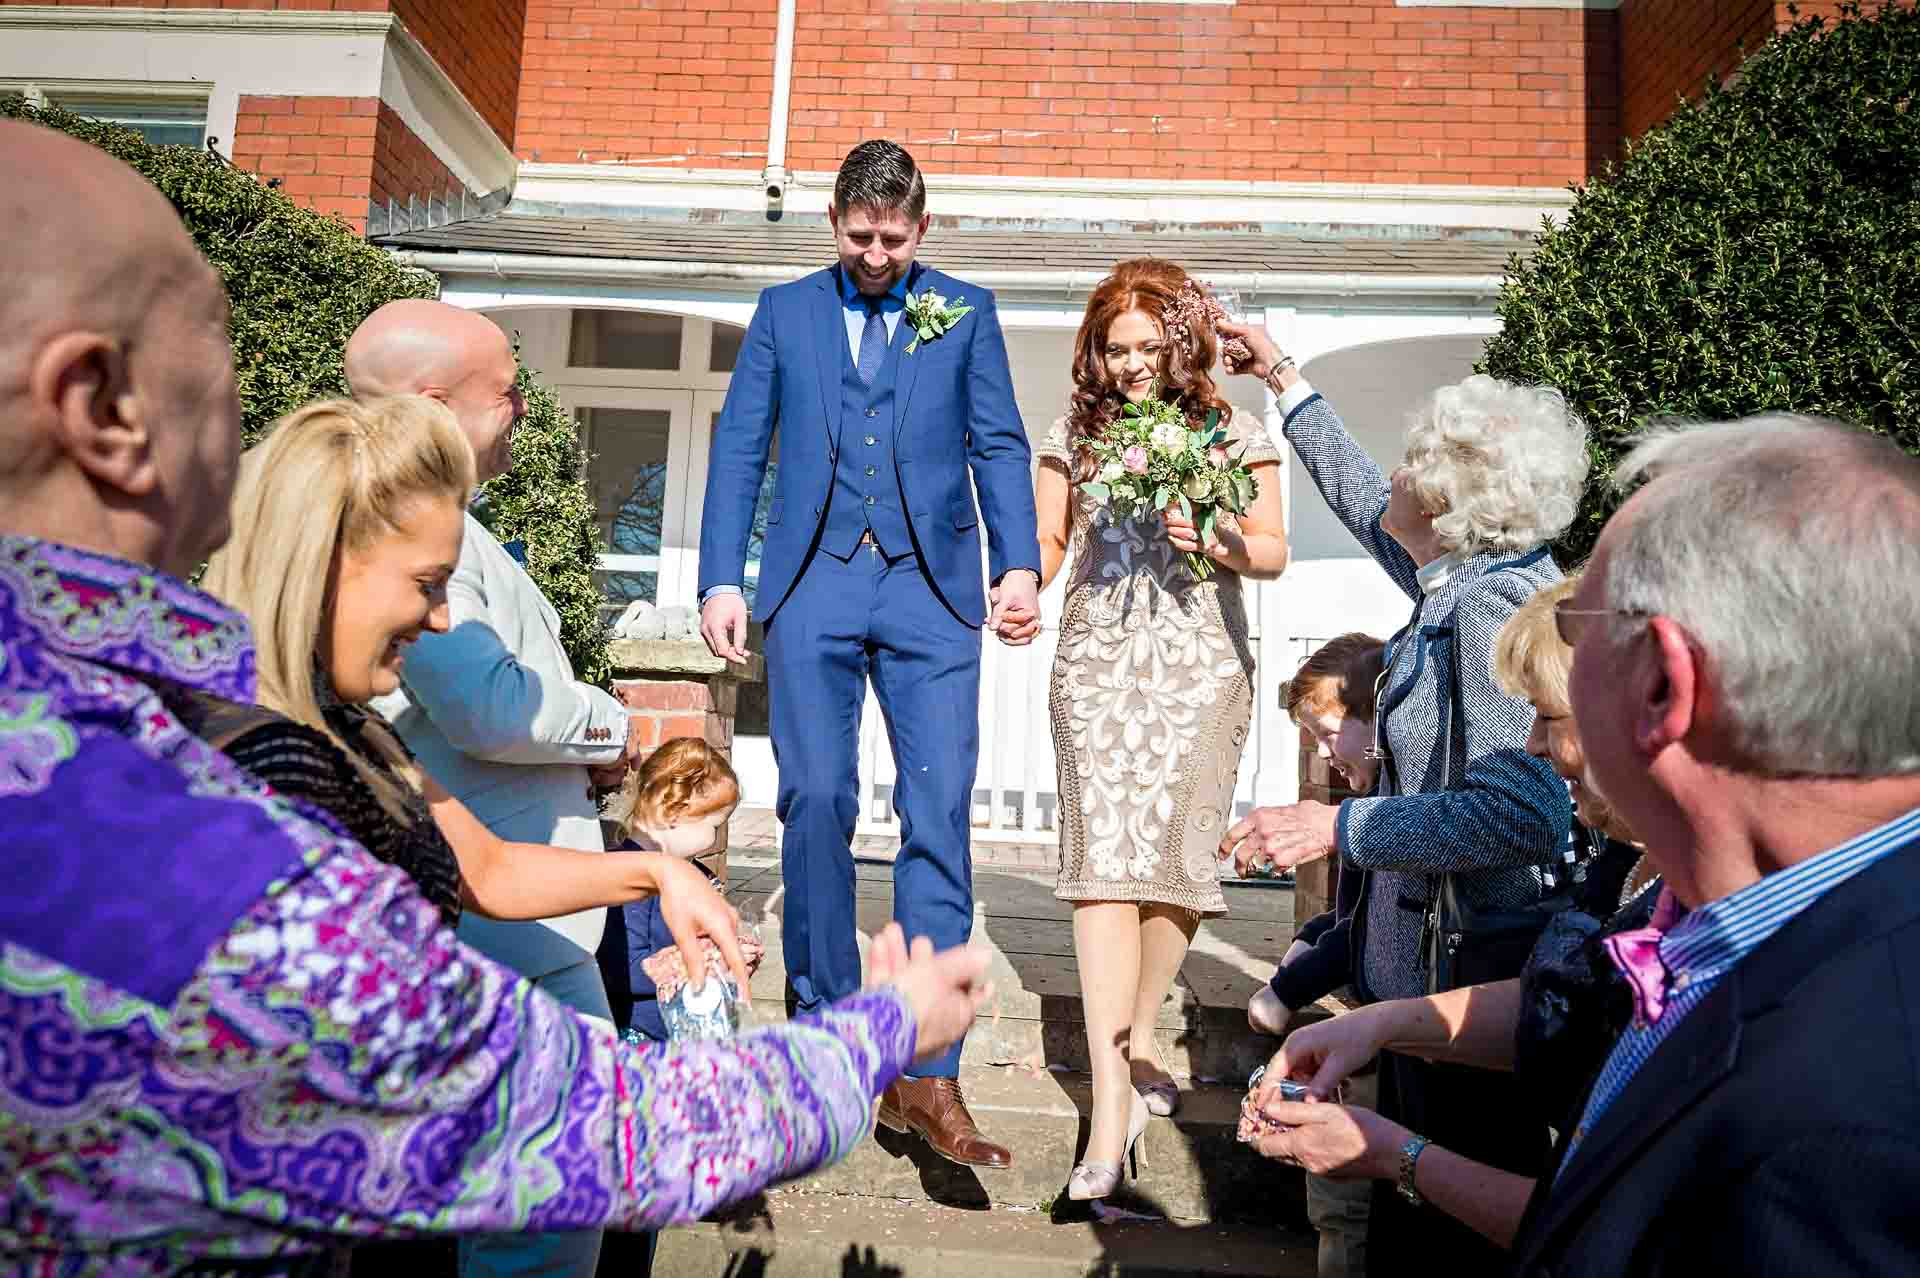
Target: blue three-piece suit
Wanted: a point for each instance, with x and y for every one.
(871, 569)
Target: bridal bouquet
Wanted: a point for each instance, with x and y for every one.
(1152, 458)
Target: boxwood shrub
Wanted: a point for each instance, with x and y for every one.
(299, 284)
(1759, 251)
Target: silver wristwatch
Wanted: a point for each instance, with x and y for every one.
(1409, 1157)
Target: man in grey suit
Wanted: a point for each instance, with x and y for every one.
(491, 707)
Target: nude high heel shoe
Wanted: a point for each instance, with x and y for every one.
(1092, 1179)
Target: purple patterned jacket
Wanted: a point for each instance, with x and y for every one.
(231, 1039)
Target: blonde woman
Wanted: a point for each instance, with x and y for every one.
(346, 526)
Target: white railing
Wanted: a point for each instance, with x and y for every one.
(1016, 792)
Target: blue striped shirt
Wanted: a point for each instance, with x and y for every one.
(1704, 946)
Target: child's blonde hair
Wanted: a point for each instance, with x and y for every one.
(684, 778)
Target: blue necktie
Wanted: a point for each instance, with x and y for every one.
(873, 343)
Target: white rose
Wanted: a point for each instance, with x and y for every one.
(1111, 471)
(1169, 438)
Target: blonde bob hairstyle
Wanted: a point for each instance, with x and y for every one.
(333, 477)
(1528, 658)
(1503, 465)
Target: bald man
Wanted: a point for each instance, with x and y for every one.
(492, 707)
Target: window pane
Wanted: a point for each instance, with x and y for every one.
(726, 348)
(628, 480)
(625, 339)
(161, 122)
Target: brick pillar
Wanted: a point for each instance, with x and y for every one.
(676, 688)
(1316, 883)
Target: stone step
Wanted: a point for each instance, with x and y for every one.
(1190, 1166)
(1034, 1017)
(787, 1235)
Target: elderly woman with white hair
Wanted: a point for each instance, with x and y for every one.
(1465, 841)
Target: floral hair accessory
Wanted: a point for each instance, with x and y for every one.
(1195, 310)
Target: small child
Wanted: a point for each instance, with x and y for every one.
(675, 803)
(1332, 697)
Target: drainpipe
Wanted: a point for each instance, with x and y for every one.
(774, 176)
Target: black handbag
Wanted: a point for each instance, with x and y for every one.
(1466, 944)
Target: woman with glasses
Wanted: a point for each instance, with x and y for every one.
(1462, 813)
(1551, 1027)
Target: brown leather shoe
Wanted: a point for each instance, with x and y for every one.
(934, 1108)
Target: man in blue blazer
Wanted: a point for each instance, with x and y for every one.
(887, 401)
(1747, 682)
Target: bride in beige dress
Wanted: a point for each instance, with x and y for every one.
(1151, 694)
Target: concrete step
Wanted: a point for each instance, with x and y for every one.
(1190, 1166)
(788, 1235)
(1034, 1018)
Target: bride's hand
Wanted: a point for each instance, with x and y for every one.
(1185, 535)
(1266, 353)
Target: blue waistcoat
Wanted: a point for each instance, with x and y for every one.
(866, 484)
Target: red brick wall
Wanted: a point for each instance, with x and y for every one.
(1670, 47)
(1342, 90)
(405, 166)
(647, 80)
(364, 6)
(477, 43)
(321, 149)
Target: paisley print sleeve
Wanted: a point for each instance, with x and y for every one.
(351, 1067)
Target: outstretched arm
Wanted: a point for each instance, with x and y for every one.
(376, 1037)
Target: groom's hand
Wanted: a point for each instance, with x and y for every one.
(1016, 608)
(723, 624)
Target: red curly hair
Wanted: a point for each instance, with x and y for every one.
(1148, 285)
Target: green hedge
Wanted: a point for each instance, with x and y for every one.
(299, 284)
(1759, 251)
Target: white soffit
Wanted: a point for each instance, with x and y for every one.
(988, 199)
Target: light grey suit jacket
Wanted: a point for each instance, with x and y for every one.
(493, 712)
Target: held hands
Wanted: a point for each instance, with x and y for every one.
(723, 624)
(692, 909)
(1282, 837)
(944, 990)
(1016, 608)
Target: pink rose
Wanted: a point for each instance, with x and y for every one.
(1135, 459)
(1218, 456)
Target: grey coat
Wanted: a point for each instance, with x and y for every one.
(1489, 813)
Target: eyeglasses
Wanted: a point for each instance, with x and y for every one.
(1569, 630)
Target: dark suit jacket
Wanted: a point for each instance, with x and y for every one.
(1777, 1131)
(955, 421)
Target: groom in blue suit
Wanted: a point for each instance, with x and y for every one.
(871, 570)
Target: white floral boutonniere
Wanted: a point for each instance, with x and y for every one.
(933, 316)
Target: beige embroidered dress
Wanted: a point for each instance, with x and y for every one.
(1151, 696)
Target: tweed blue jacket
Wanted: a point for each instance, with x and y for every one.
(1472, 803)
